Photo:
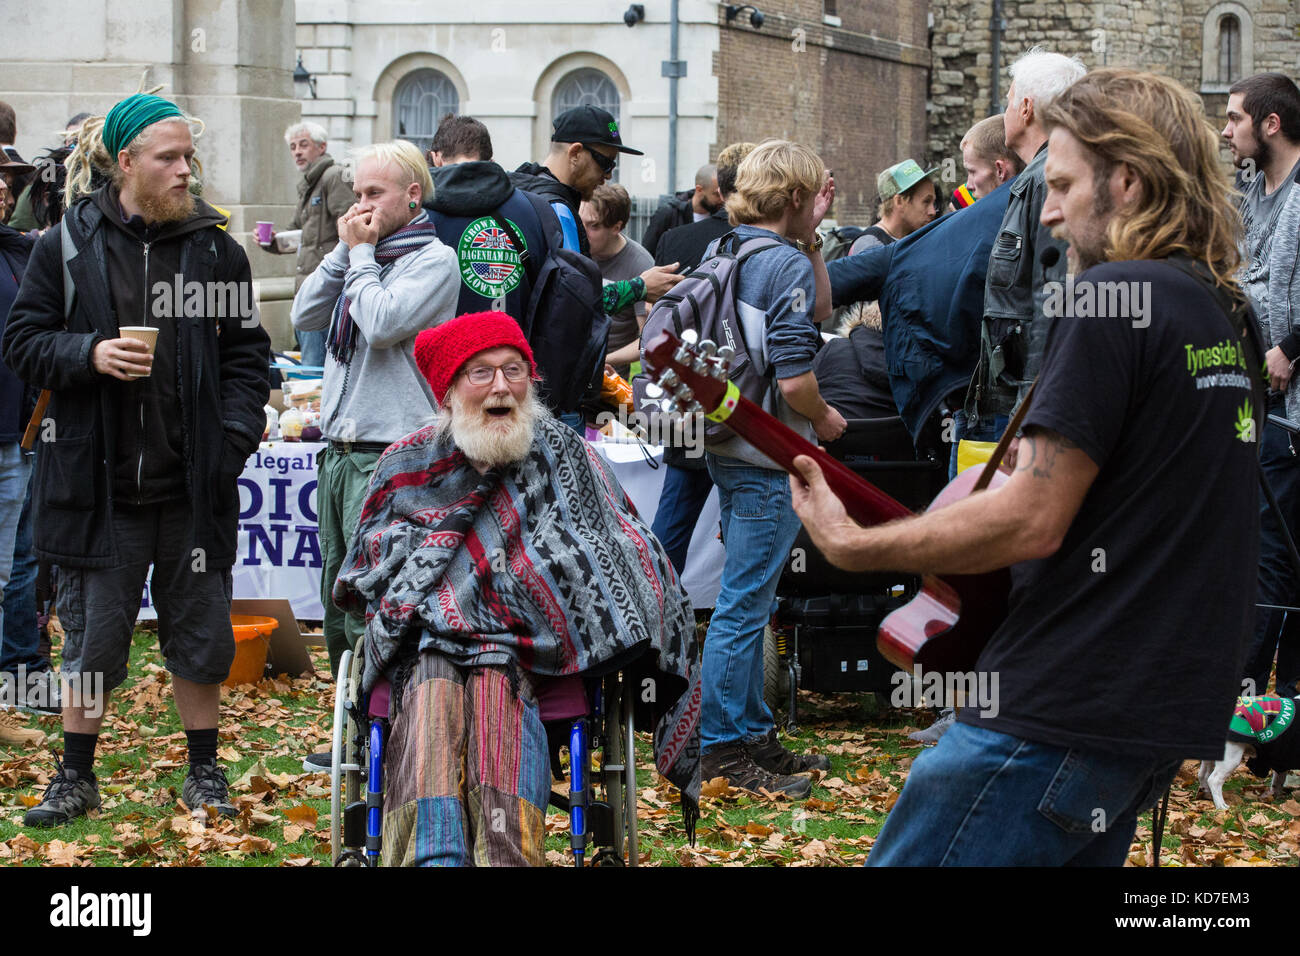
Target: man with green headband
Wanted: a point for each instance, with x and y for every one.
(144, 444)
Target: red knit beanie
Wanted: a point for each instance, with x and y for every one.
(440, 352)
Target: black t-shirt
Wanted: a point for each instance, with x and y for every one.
(1131, 638)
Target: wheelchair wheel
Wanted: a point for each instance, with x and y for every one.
(612, 766)
(347, 764)
(776, 677)
(336, 756)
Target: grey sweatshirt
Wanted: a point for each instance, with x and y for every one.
(1270, 275)
(380, 396)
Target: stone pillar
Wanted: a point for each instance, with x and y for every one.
(228, 62)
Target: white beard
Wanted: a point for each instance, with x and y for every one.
(485, 439)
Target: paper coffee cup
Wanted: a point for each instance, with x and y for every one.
(141, 333)
(264, 230)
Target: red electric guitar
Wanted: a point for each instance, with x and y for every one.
(950, 620)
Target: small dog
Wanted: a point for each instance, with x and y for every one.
(1258, 736)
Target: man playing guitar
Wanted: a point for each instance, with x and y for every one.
(1130, 520)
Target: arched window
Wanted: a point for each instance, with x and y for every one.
(1229, 49)
(585, 87)
(420, 102)
(1227, 46)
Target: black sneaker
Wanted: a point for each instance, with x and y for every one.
(734, 762)
(322, 762)
(206, 786)
(772, 756)
(69, 795)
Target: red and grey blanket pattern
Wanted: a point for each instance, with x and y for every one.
(543, 565)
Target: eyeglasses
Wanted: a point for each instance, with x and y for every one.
(606, 163)
(487, 374)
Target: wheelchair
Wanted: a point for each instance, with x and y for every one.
(601, 804)
(823, 634)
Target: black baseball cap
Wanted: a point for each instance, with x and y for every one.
(591, 126)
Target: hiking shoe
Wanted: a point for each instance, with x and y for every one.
(937, 729)
(322, 762)
(734, 762)
(206, 786)
(770, 755)
(69, 795)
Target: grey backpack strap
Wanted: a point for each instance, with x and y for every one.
(69, 251)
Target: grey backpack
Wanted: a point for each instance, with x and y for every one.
(706, 302)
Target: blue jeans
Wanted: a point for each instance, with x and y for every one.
(984, 798)
(312, 346)
(982, 430)
(575, 420)
(21, 643)
(1277, 631)
(15, 469)
(680, 502)
(759, 527)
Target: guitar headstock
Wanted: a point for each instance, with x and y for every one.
(691, 376)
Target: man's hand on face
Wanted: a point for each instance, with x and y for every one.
(660, 279)
(356, 227)
(127, 359)
(1279, 368)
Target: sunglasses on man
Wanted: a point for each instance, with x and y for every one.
(606, 163)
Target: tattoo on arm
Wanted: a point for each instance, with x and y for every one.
(1043, 449)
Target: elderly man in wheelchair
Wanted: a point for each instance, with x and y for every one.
(497, 560)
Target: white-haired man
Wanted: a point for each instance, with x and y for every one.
(387, 279)
(483, 602)
(324, 194)
(1015, 329)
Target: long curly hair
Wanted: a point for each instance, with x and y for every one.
(1159, 130)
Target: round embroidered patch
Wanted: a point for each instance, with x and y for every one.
(489, 262)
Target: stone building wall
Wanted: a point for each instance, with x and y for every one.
(851, 84)
(1163, 36)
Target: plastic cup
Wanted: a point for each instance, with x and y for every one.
(141, 333)
(264, 230)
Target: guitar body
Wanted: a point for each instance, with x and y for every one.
(947, 624)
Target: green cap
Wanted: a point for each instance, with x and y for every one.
(901, 177)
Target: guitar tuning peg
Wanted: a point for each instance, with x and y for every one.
(668, 406)
(695, 409)
(670, 379)
(690, 336)
(684, 395)
(708, 347)
(653, 391)
(718, 371)
(726, 353)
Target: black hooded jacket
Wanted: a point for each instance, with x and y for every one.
(202, 405)
(15, 404)
(537, 179)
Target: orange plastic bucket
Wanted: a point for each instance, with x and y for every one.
(252, 641)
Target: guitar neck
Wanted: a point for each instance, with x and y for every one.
(865, 503)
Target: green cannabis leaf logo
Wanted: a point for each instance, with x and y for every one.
(1245, 422)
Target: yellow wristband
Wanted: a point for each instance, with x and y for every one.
(726, 406)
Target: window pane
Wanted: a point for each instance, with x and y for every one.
(1229, 49)
(422, 99)
(585, 88)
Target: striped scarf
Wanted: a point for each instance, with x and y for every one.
(412, 237)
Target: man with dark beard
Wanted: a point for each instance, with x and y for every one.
(148, 443)
(499, 561)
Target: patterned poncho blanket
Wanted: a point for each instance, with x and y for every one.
(542, 565)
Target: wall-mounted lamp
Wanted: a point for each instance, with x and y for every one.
(635, 14)
(303, 82)
(756, 18)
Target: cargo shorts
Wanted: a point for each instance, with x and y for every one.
(98, 606)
